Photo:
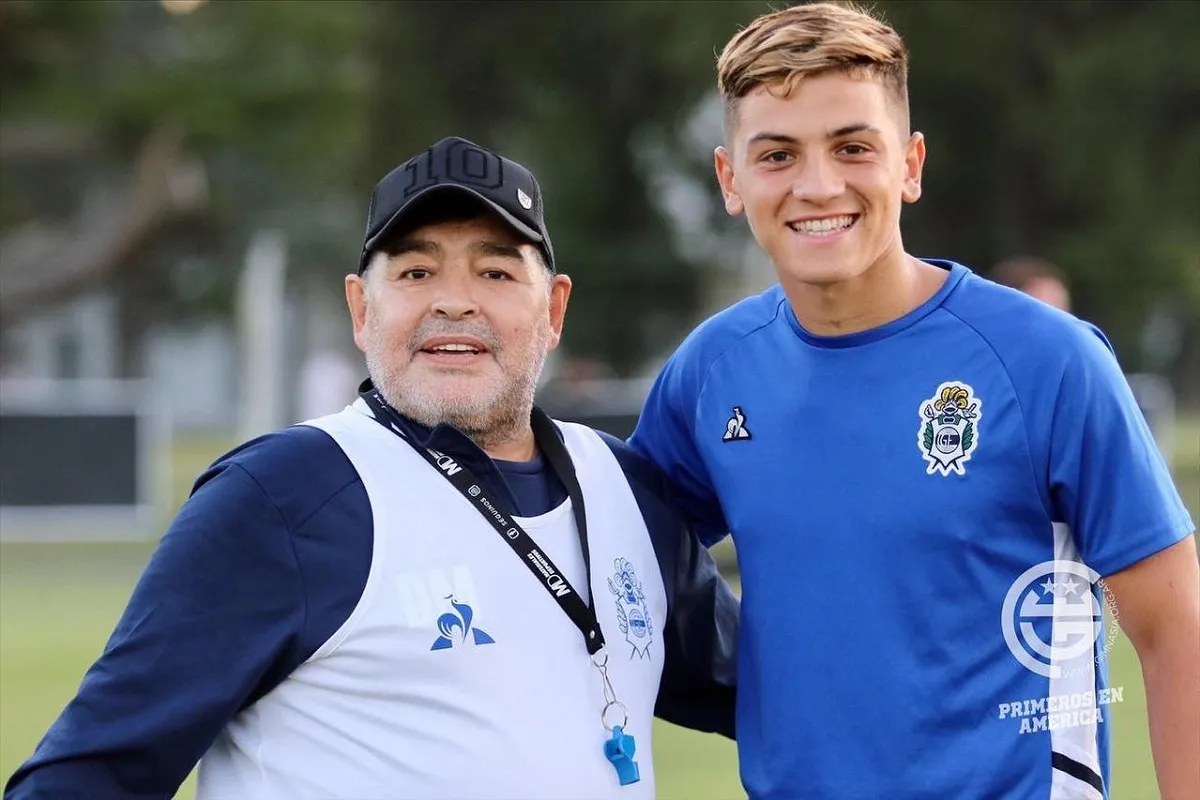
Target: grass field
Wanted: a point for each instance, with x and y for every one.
(59, 602)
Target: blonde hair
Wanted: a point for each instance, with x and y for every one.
(780, 49)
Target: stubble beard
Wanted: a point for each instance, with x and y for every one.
(490, 411)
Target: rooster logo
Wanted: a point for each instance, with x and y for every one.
(455, 626)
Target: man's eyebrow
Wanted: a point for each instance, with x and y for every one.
(849, 130)
(410, 245)
(486, 248)
(778, 138)
(845, 130)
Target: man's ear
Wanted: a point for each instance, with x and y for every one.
(356, 298)
(914, 165)
(723, 163)
(560, 293)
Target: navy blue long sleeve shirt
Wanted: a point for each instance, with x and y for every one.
(266, 560)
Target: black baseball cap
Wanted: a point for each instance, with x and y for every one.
(457, 166)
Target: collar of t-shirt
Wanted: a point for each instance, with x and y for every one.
(526, 488)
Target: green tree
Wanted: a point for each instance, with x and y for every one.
(1069, 130)
(135, 141)
(573, 90)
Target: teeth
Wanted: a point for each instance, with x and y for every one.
(456, 348)
(822, 227)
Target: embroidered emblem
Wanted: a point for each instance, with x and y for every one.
(949, 432)
(454, 626)
(735, 428)
(633, 616)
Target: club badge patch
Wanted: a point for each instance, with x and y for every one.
(633, 616)
(949, 431)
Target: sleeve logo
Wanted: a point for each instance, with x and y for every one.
(735, 427)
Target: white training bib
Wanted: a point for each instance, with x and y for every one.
(457, 675)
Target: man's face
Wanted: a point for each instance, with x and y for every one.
(821, 175)
(457, 322)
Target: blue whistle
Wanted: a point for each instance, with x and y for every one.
(620, 750)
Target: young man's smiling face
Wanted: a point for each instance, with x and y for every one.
(821, 175)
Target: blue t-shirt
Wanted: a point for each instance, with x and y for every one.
(895, 496)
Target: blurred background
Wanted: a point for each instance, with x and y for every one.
(184, 183)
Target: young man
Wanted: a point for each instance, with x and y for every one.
(922, 471)
(436, 593)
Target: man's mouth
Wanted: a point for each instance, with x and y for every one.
(454, 347)
(826, 226)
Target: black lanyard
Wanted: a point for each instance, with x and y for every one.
(581, 613)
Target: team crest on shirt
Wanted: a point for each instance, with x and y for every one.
(949, 431)
(633, 615)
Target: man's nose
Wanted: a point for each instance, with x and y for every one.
(818, 182)
(455, 298)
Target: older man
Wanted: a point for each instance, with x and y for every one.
(437, 592)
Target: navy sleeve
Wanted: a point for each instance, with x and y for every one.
(260, 566)
(699, 681)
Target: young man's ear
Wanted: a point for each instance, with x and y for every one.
(914, 165)
(723, 162)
